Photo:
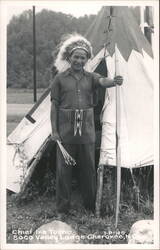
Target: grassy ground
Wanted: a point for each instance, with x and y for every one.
(22, 96)
(10, 127)
(38, 207)
(19, 96)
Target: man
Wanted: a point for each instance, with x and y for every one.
(72, 119)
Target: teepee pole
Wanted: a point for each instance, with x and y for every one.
(142, 21)
(100, 170)
(118, 150)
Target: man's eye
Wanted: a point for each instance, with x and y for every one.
(81, 57)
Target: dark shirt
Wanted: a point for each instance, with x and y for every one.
(70, 94)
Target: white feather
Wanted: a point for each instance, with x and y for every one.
(61, 63)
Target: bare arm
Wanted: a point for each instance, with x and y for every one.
(108, 82)
(55, 97)
(54, 115)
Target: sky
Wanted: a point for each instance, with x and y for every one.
(75, 8)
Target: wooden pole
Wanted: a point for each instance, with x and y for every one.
(34, 57)
(118, 149)
(142, 8)
(100, 169)
(148, 29)
(33, 165)
(99, 190)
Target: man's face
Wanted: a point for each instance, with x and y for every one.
(78, 59)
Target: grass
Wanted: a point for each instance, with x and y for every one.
(11, 126)
(19, 96)
(22, 96)
(34, 209)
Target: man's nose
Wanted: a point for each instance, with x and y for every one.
(79, 60)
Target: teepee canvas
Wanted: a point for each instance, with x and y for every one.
(118, 40)
(26, 142)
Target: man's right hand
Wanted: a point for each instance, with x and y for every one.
(55, 137)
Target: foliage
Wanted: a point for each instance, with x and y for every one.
(50, 26)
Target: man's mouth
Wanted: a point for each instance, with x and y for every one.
(78, 65)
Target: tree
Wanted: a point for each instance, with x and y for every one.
(50, 26)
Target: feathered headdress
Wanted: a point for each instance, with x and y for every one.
(67, 46)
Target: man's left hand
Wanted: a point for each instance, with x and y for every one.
(118, 80)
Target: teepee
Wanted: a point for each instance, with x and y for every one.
(121, 48)
(127, 116)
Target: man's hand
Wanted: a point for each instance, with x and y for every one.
(106, 82)
(55, 137)
(118, 80)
